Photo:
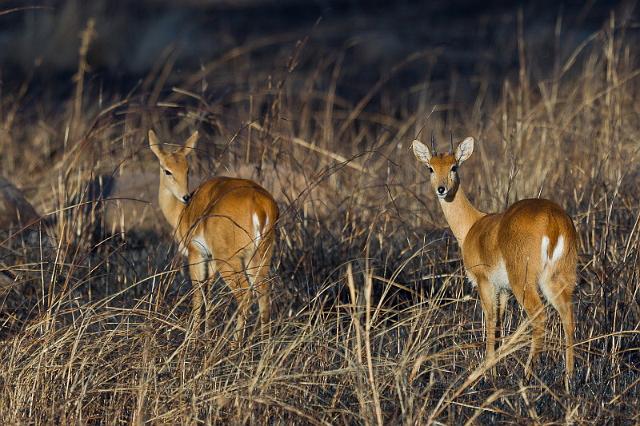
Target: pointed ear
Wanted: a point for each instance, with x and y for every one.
(155, 145)
(190, 145)
(421, 151)
(464, 150)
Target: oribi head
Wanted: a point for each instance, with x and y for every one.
(174, 167)
(443, 168)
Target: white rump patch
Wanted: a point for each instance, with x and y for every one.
(557, 251)
(544, 251)
(499, 277)
(257, 236)
(548, 264)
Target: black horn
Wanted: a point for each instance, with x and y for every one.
(433, 144)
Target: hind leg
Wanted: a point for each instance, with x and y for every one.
(535, 310)
(258, 272)
(524, 285)
(233, 274)
(566, 314)
(560, 296)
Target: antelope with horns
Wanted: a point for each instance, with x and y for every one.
(532, 245)
(226, 225)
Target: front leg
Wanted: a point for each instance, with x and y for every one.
(489, 308)
(503, 300)
(198, 275)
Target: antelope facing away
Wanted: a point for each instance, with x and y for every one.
(531, 245)
(226, 225)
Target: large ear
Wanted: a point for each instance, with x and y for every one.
(464, 150)
(190, 144)
(421, 151)
(155, 145)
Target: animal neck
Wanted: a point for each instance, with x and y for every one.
(460, 214)
(170, 206)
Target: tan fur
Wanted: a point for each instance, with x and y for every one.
(226, 226)
(510, 242)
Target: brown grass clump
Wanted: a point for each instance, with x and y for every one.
(374, 322)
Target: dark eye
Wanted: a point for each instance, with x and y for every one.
(454, 169)
(430, 169)
(167, 172)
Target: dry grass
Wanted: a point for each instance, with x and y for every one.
(374, 322)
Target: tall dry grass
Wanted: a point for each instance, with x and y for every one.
(374, 322)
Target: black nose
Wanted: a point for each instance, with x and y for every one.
(441, 190)
(186, 198)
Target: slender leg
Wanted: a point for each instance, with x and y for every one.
(503, 300)
(198, 274)
(234, 276)
(539, 318)
(523, 270)
(264, 304)
(488, 300)
(258, 272)
(561, 301)
(525, 290)
(566, 313)
(211, 271)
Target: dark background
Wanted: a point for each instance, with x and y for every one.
(470, 38)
